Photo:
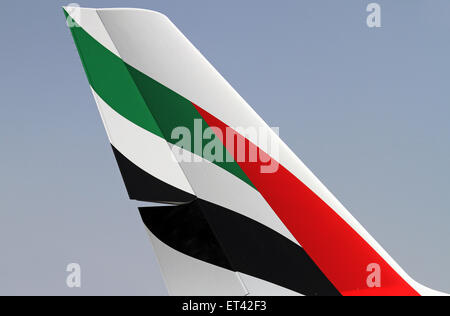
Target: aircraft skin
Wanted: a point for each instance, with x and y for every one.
(232, 226)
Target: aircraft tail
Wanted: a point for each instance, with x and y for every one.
(245, 215)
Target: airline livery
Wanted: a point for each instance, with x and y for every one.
(239, 213)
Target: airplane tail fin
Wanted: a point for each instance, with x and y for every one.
(247, 217)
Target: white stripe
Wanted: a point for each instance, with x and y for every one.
(216, 185)
(187, 276)
(146, 150)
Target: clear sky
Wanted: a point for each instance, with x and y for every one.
(366, 109)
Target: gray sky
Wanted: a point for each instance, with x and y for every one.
(366, 109)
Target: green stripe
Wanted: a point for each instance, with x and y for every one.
(140, 99)
(109, 77)
(172, 110)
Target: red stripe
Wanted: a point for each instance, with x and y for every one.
(337, 249)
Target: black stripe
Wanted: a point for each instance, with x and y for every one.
(185, 229)
(142, 186)
(225, 238)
